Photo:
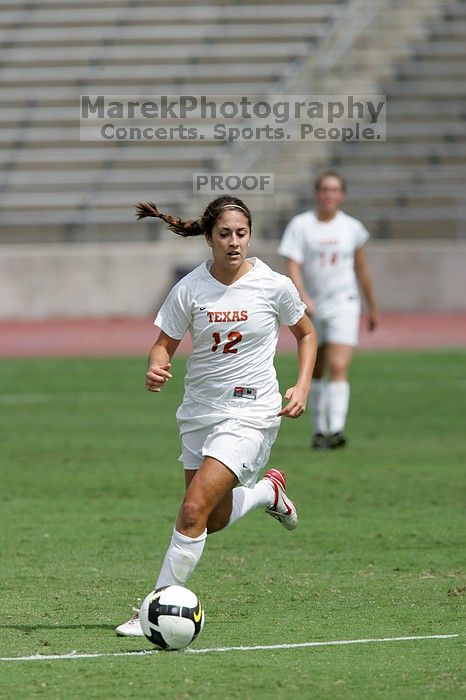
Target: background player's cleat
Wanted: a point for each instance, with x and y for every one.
(337, 440)
(283, 509)
(132, 628)
(319, 442)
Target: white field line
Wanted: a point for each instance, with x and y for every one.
(301, 645)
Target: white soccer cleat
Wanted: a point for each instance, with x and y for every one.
(283, 509)
(132, 628)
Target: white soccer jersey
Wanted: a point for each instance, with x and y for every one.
(234, 330)
(325, 250)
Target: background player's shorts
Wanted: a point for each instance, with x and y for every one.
(243, 449)
(340, 327)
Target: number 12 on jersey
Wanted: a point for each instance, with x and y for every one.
(233, 339)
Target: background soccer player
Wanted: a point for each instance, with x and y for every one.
(325, 258)
(232, 408)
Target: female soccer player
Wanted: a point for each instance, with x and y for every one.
(232, 306)
(325, 258)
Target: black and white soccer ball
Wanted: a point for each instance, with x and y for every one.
(171, 617)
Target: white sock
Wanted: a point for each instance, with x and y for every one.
(317, 404)
(181, 559)
(245, 499)
(338, 401)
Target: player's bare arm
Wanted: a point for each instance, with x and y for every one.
(365, 280)
(297, 395)
(159, 365)
(293, 270)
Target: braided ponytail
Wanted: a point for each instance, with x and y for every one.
(175, 224)
(198, 227)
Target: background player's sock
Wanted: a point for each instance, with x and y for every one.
(317, 405)
(338, 400)
(245, 499)
(181, 559)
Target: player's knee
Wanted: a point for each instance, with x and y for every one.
(193, 513)
(338, 370)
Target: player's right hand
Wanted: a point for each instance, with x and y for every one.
(157, 376)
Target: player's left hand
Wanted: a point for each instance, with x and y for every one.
(372, 320)
(297, 399)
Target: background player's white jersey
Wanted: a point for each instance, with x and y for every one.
(234, 329)
(325, 250)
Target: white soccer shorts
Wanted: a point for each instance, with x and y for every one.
(340, 327)
(243, 449)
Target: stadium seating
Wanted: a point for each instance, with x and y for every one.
(55, 187)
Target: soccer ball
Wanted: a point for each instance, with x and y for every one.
(171, 617)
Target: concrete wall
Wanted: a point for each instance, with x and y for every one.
(419, 276)
(130, 279)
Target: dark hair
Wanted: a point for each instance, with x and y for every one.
(329, 173)
(198, 227)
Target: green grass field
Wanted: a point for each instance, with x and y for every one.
(90, 486)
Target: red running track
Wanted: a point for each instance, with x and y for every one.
(129, 336)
